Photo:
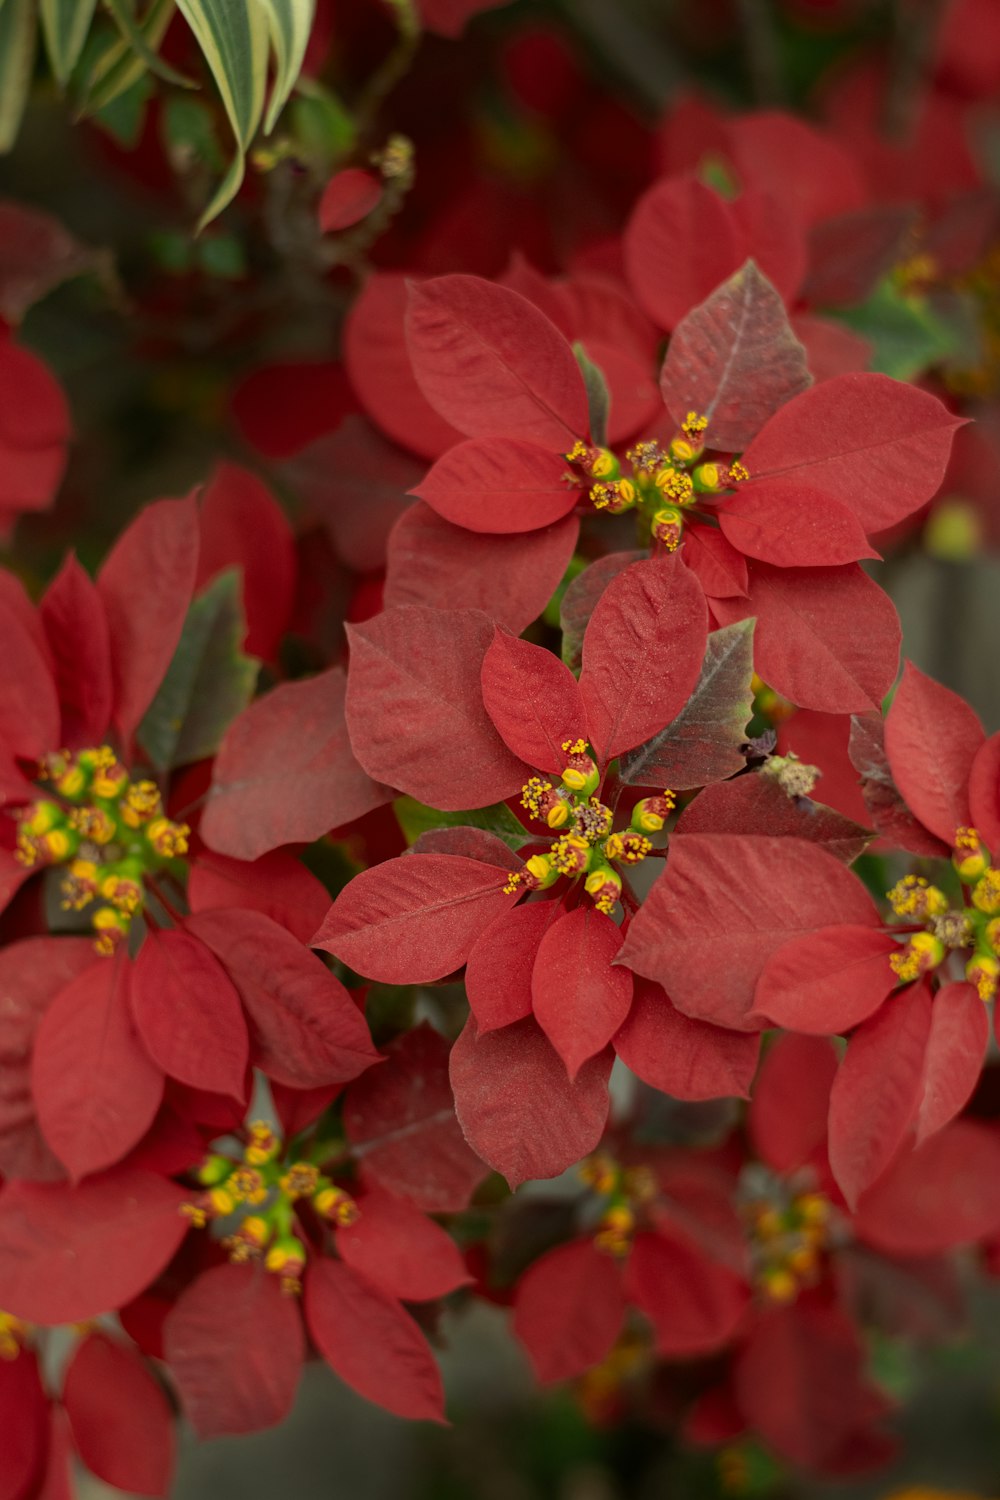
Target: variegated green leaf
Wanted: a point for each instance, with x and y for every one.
(135, 36)
(289, 22)
(120, 65)
(232, 34)
(65, 24)
(17, 57)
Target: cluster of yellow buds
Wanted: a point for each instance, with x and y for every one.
(13, 1334)
(788, 1232)
(109, 832)
(587, 846)
(264, 1188)
(626, 1192)
(975, 925)
(665, 480)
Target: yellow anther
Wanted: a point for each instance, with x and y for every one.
(813, 1208)
(667, 527)
(570, 855)
(170, 840)
(57, 845)
(79, 887)
(604, 464)
(600, 1173)
(650, 814)
(913, 896)
(708, 476)
(768, 1223)
(111, 927)
(675, 485)
(628, 847)
(604, 886)
(300, 1181)
(737, 473)
(337, 1206)
(578, 454)
(985, 896)
(779, 1285)
(694, 424)
(93, 823)
(802, 1260)
(196, 1213)
(140, 803)
(922, 953)
(969, 856)
(983, 970)
(247, 1185)
(12, 1334)
(263, 1146)
(221, 1201)
(254, 1230)
(645, 457)
(575, 747)
(124, 894)
(681, 451)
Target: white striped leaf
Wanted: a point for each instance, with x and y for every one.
(17, 58)
(289, 22)
(65, 24)
(120, 64)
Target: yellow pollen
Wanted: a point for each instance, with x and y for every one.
(140, 803)
(738, 472)
(578, 453)
(93, 823)
(694, 425)
(300, 1180)
(985, 896)
(913, 896)
(675, 485)
(575, 747)
(170, 840)
(923, 952)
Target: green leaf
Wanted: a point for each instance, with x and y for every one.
(189, 128)
(414, 819)
(289, 22)
(907, 336)
(703, 743)
(65, 24)
(232, 35)
(123, 116)
(119, 66)
(598, 398)
(323, 128)
(18, 27)
(209, 681)
(137, 40)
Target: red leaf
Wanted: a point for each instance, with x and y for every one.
(817, 176)
(450, 17)
(467, 842)
(58, 1483)
(38, 254)
(877, 1091)
(984, 791)
(305, 1030)
(749, 804)
(772, 237)
(76, 629)
(849, 254)
(679, 244)
(378, 363)
(805, 642)
(400, 1120)
(415, 707)
(71, 1253)
(497, 485)
(235, 1346)
(285, 772)
(568, 1310)
(878, 445)
(498, 974)
(642, 653)
(96, 1090)
(793, 529)
(956, 1047)
(798, 1381)
(277, 884)
(695, 1306)
(932, 737)
(826, 982)
(355, 482)
(822, 740)
(414, 919)
(735, 359)
(533, 699)
(29, 706)
(34, 432)
(684, 1058)
(579, 999)
(24, 1411)
(723, 905)
(348, 197)
(719, 568)
(406, 1254)
(517, 1107)
(493, 364)
(371, 1342)
(509, 578)
(581, 597)
(791, 1101)
(938, 1197)
(122, 1424)
(32, 973)
(243, 526)
(831, 348)
(189, 1015)
(145, 585)
(887, 811)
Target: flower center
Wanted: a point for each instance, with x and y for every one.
(975, 925)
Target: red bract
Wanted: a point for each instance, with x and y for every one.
(34, 433)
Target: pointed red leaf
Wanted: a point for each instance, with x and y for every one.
(371, 1342)
(791, 1102)
(34, 432)
(145, 585)
(122, 1424)
(500, 966)
(938, 1197)
(58, 1483)
(305, 1030)
(518, 1109)
(533, 699)
(684, 1058)
(956, 1048)
(493, 364)
(277, 884)
(348, 197)
(831, 348)
(878, 445)
(415, 707)
(694, 1305)
(355, 482)
(235, 1347)
(887, 812)
(932, 737)
(579, 999)
(498, 485)
(24, 1420)
(723, 905)
(793, 529)
(734, 359)
(71, 1253)
(242, 526)
(817, 175)
(772, 238)
(826, 982)
(984, 791)
(414, 919)
(719, 568)
(76, 629)
(568, 1310)
(467, 842)
(642, 653)
(509, 578)
(378, 363)
(580, 600)
(285, 772)
(805, 642)
(188, 1014)
(29, 705)
(96, 1090)
(750, 804)
(679, 244)
(404, 1252)
(400, 1120)
(877, 1091)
